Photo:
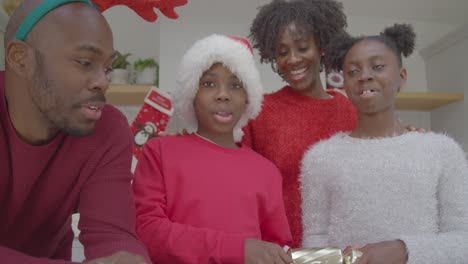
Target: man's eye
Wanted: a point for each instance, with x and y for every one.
(108, 70)
(84, 63)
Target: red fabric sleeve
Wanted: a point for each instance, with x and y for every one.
(274, 225)
(170, 242)
(106, 206)
(9, 256)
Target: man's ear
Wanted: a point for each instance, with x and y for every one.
(20, 58)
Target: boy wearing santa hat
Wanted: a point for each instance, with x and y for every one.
(203, 198)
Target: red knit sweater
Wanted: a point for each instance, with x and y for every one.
(197, 202)
(42, 186)
(287, 125)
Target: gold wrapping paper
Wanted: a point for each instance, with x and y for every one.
(329, 255)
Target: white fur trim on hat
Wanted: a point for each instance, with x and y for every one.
(233, 54)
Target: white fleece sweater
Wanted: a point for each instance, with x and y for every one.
(412, 187)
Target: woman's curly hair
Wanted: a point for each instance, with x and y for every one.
(321, 18)
(400, 38)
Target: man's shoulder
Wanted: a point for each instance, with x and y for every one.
(112, 116)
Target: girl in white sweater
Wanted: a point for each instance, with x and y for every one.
(402, 197)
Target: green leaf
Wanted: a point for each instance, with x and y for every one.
(121, 60)
(141, 64)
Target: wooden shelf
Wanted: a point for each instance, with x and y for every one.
(425, 101)
(127, 94)
(422, 101)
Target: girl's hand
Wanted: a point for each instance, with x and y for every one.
(386, 252)
(348, 249)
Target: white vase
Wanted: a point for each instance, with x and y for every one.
(146, 76)
(120, 76)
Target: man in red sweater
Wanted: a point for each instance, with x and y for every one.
(62, 150)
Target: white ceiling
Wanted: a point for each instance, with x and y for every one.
(442, 11)
(439, 11)
(445, 11)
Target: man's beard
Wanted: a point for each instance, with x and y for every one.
(44, 94)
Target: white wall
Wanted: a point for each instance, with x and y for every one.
(133, 34)
(136, 36)
(447, 69)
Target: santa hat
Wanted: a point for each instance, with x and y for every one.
(235, 54)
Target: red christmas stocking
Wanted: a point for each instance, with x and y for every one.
(151, 119)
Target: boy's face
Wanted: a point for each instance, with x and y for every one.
(372, 76)
(220, 102)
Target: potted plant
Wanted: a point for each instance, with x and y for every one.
(120, 73)
(146, 71)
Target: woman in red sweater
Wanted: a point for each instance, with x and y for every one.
(291, 37)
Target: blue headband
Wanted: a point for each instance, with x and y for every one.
(39, 12)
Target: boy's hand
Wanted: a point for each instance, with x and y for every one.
(261, 252)
(386, 252)
(121, 257)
